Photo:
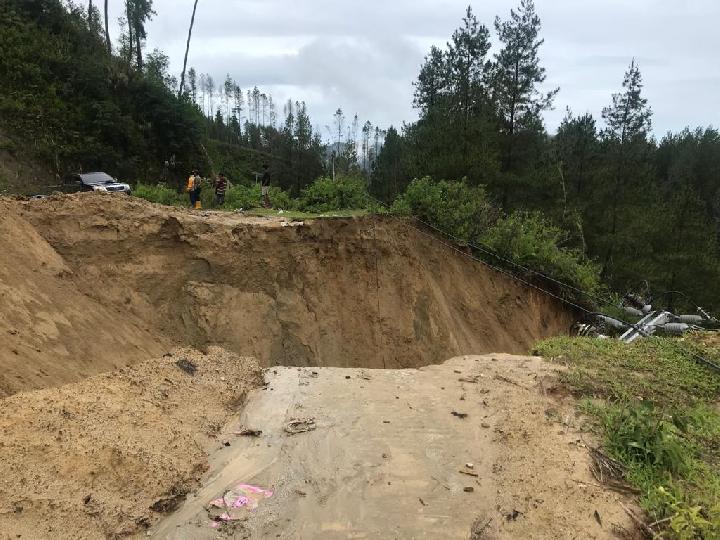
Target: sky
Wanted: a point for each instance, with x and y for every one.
(363, 55)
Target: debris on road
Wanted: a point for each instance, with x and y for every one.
(235, 502)
(477, 531)
(248, 433)
(300, 425)
(509, 381)
(187, 366)
(512, 516)
(460, 415)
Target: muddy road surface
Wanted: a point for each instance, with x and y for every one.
(387, 458)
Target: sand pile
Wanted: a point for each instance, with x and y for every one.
(107, 456)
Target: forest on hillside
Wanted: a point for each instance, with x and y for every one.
(645, 212)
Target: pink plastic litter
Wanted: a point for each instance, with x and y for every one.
(236, 501)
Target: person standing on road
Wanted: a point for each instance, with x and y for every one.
(265, 183)
(221, 184)
(198, 191)
(191, 188)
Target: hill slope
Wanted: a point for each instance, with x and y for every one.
(131, 277)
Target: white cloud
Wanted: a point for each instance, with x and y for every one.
(364, 56)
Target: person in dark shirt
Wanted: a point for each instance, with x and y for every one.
(265, 183)
(221, 184)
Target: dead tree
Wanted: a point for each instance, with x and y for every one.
(187, 50)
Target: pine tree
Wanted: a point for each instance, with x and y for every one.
(432, 81)
(366, 131)
(272, 112)
(466, 62)
(210, 89)
(139, 12)
(238, 103)
(629, 116)
(192, 82)
(628, 122)
(227, 96)
(517, 72)
(339, 119)
(388, 178)
(576, 149)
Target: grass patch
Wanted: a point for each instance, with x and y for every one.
(246, 197)
(657, 412)
(297, 214)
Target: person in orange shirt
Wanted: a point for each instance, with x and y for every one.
(193, 188)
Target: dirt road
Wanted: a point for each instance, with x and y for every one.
(386, 457)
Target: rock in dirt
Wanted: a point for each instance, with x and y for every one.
(187, 366)
(300, 425)
(249, 433)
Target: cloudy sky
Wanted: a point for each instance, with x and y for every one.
(363, 55)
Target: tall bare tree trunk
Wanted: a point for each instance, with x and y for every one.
(138, 39)
(107, 30)
(187, 50)
(138, 50)
(130, 32)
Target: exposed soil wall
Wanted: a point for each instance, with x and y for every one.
(366, 292)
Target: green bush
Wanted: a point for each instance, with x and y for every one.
(532, 241)
(237, 196)
(453, 207)
(282, 200)
(160, 194)
(326, 194)
(242, 196)
(643, 435)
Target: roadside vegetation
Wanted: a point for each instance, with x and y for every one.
(347, 194)
(656, 411)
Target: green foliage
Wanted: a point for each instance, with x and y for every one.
(642, 435)
(346, 192)
(454, 207)
(533, 241)
(646, 213)
(83, 109)
(160, 194)
(655, 408)
(687, 521)
(654, 369)
(321, 196)
(242, 196)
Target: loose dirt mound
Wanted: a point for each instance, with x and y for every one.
(55, 325)
(366, 292)
(107, 456)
